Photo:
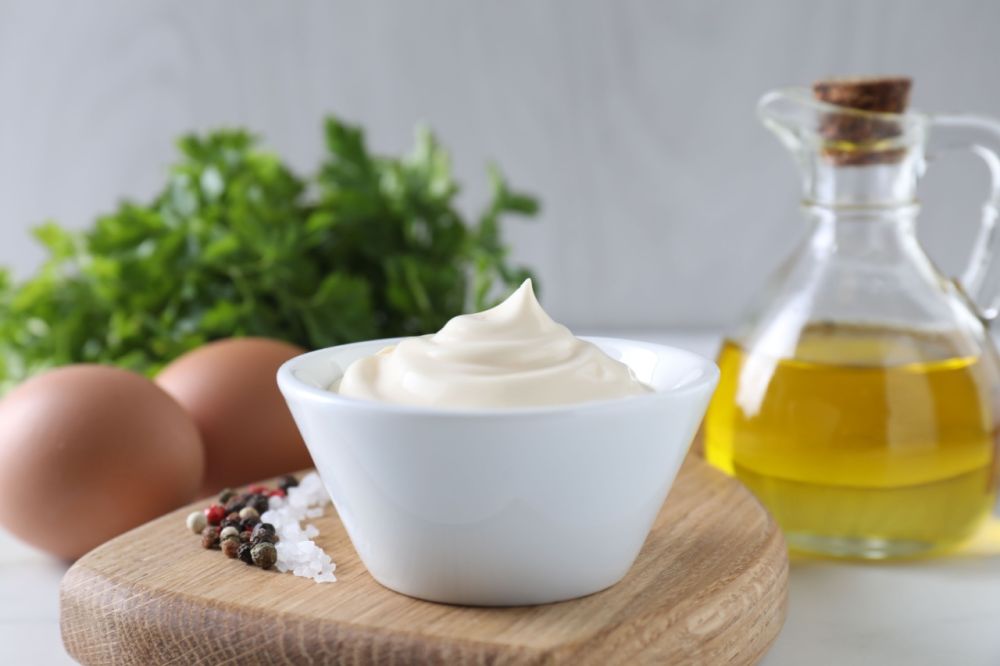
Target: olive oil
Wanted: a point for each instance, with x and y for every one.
(864, 442)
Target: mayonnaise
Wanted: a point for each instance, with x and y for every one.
(512, 355)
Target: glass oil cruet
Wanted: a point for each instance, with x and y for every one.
(859, 398)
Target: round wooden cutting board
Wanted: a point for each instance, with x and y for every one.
(709, 587)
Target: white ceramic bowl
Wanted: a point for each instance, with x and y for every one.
(500, 507)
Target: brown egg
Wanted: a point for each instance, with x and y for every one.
(230, 390)
(88, 452)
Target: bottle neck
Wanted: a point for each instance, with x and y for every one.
(874, 185)
(884, 235)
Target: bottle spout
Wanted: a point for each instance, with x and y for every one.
(849, 122)
(849, 155)
(791, 115)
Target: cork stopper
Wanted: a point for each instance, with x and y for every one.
(858, 137)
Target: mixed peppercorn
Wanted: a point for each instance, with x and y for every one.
(233, 524)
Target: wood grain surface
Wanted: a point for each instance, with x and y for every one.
(709, 587)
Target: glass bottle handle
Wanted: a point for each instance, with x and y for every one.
(981, 279)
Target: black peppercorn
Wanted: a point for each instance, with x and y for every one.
(258, 502)
(236, 503)
(287, 481)
(263, 528)
(265, 537)
(231, 520)
(210, 537)
(263, 532)
(226, 495)
(245, 552)
(245, 536)
(249, 523)
(264, 555)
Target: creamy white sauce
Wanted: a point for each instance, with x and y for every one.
(512, 355)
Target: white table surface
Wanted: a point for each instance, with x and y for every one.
(944, 611)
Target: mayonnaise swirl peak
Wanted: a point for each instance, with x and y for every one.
(512, 355)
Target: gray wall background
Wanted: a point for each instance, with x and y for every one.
(666, 204)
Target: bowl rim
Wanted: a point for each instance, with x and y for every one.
(290, 384)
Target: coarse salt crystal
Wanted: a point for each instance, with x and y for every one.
(296, 550)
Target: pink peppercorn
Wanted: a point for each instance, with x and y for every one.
(276, 493)
(214, 514)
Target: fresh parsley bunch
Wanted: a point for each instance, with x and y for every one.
(238, 244)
